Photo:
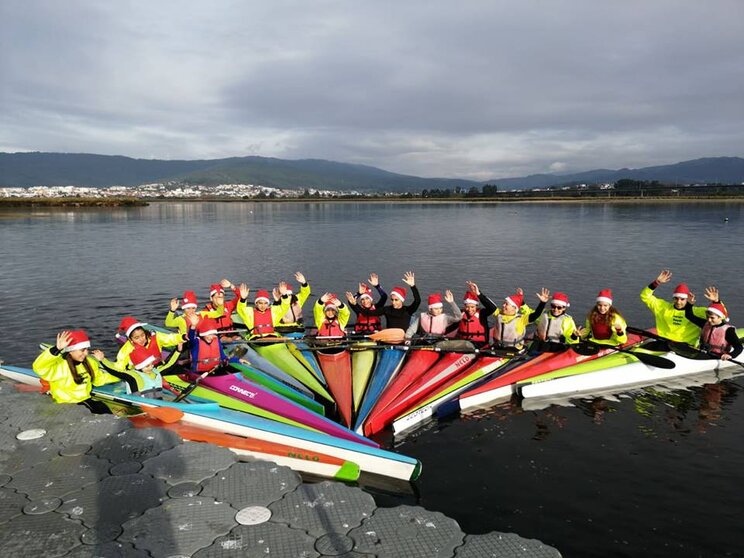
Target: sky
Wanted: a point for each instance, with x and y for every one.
(471, 89)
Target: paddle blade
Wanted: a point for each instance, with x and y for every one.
(391, 335)
(653, 360)
(168, 415)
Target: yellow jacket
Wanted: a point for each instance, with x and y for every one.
(670, 322)
(122, 357)
(55, 370)
(290, 317)
(615, 339)
(179, 322)
(247, 312)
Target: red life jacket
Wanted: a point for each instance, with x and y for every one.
(472, 329)
(224, 321)
(601, 330)
(153, 348)
(331, 328)
(713, 338)
(368, 324)
(263, 322)
(209, 355)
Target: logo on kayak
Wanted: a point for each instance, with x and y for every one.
(303, 456)
(242, 391)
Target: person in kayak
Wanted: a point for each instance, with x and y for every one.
(331, 316)
(435, 322)
(365, 323)
(220, 310)
(71, 371)
(136, 333)
(604, 323)
(555, 327)
(188, 306)
(717, 336)
(397, 315)
(670, 316)
(263, 317)
(293, 317)
(207, 354)
(148, 380)
(473, 324)
(512, 318)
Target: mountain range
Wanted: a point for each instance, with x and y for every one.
(82, 169)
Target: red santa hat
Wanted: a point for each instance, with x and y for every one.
(365, 291)
(216, 288)
(207, 326)
(400, 292)
(189, 300)
(330, 304)
(128, 324)
(263, 294)
(78, 340)
(515, 300)
(560, 299)
(719, 309)
(435, 301)
(681, 291)
(470, 298)
(142, 358)
(605, 295)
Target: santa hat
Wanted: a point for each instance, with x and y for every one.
(189, 300)
(605, 295)
(207, 326)
(681, 291)
(470, 298)
(330, 304)
(365, 291)
(289, 288)
(129, 324)
(262, 295)
(78, 340)
(216, 289)
(142, 358)
(719, 309)
(560, 299)
(515, 300)
(400, 292)
(435, 300)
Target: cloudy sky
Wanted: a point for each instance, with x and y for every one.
(473, 89)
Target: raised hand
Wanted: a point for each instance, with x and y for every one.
(226, 284)
(374, 280)
(350, 297)
(711, 293)
(63, 339)
(300, 278)
(193, 320)
(473, 287)
(243, 291)
(409, 278)
(448, 296)
(664, 276)
(276, 293)
(325, 298)
(174, 304)
(98, 354)
(691, 298)
(520, 291)
(283, 288)
(543, 295)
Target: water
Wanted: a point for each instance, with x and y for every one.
(649, 474)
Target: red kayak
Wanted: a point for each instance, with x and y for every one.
(336, 367)
(417, 363)
(501, 387)
(449, 366)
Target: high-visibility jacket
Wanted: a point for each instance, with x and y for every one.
(161, 340)
(293, 316)
(179, 322)
(670, 322)
(556, 329)
(53, 368)
(248, 314)
(333, 327)
(509, 331)
(607, 336)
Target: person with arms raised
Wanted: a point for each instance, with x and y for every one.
(473, 325)
(136, 333)
(331, 316)
(366, 323)
(435, 322)
(188, 306)
(293, 317)
(262, 319)
(717, 336)
(397, 314)
(555, 327)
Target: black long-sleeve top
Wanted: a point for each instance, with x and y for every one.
(396, 317)
(380, 302)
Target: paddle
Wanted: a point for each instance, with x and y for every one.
(194, 384)
(645, 358)
(678, 346)
(168, 415)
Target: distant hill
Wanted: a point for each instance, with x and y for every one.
(61, 169)
(723, 170)
(81, 169)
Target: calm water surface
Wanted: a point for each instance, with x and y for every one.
(649, 474)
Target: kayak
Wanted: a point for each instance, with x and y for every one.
(362, 363)
(302, 461)
(244, 390)
(299, 350)
(417, 363)
(280, 356)
(450, 365)
(502, 387)
(276, 386)
(209, 415)
(255, 360)
(388, 363)
(336, 366)
(436, 403)
(623, 372)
